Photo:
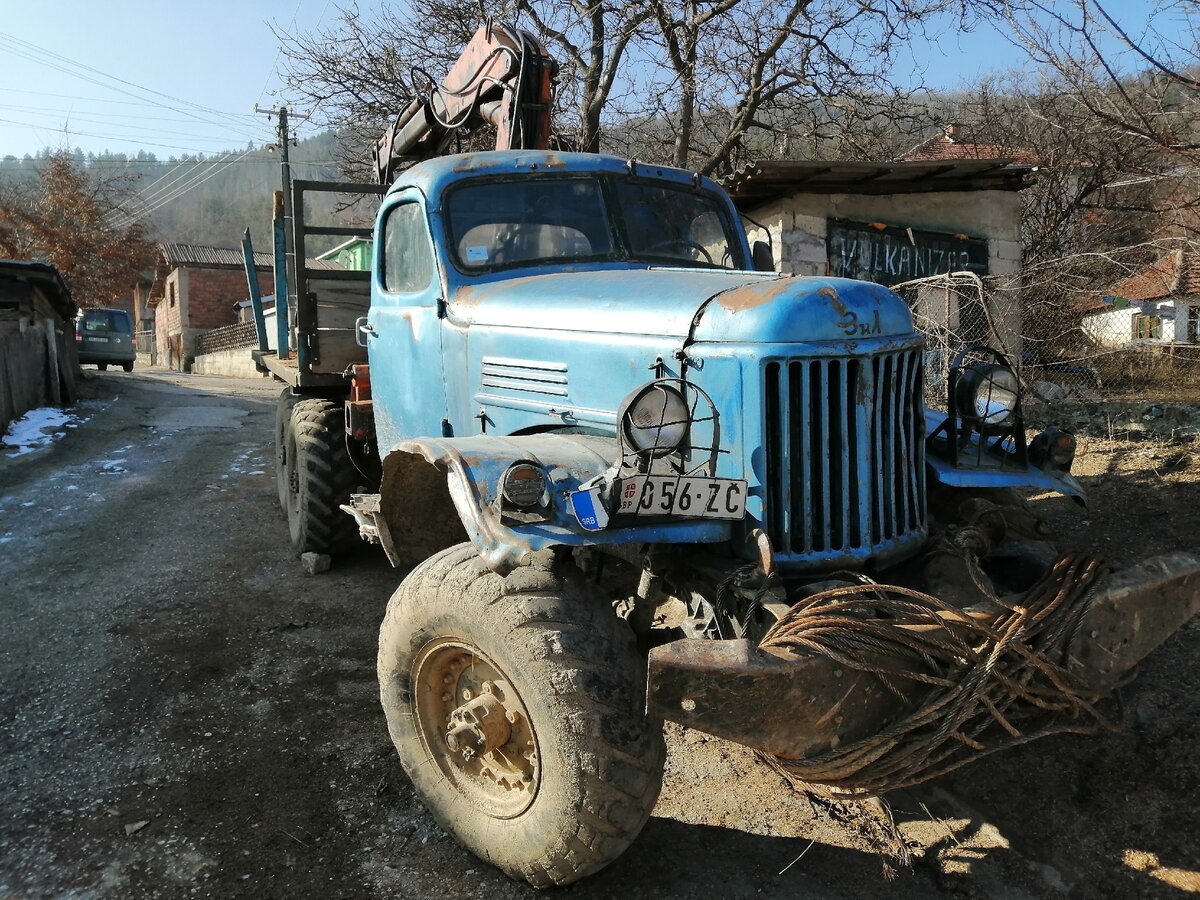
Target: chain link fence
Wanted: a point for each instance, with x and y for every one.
(1065, 344)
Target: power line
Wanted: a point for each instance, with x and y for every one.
(279, 53)
(40, 55)
(250, 117)
(140, 129)
(88, 111)
(108, 137)
(133, 162)
(174, 196)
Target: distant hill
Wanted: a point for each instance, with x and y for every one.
(212, 199)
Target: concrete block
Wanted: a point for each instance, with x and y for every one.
(314, 563)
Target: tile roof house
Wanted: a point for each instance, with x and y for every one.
(954, 144)
(198, 288)
(1159, 304)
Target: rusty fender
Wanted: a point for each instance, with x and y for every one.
(797, 705)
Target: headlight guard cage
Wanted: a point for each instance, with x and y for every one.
(952, 437)
(696, 454)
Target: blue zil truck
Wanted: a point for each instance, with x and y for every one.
(621, 458)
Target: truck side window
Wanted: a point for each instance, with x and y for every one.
(407, 256)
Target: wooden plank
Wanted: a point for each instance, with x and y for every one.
(337, 349)
(345, 230)
(339, 304)
(52, 382)
(286, 370)
(340, 187)
(357, 276)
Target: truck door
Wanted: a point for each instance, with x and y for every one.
(403, 333)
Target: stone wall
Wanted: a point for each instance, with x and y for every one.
(232, 363)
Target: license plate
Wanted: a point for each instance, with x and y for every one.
(683, 496)
(98, 340)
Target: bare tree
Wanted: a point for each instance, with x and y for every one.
(801, 71)
(688, 82)
(1145, 85)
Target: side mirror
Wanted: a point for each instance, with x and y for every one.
(764, 260)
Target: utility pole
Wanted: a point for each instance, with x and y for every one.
(285, 140)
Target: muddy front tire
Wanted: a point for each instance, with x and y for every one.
(320, 477)
(536, 678)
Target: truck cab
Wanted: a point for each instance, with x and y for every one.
(541, 291)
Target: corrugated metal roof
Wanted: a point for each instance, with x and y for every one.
(757, 182)
(45, 276)
(202, 257)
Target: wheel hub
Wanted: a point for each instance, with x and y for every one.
(475, 727)
(480, 726)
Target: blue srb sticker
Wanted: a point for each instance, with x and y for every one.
(589, 512)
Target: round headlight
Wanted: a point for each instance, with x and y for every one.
(656, 420)
(987, 395)
(524, 485)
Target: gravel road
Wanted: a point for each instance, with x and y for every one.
(184, 713)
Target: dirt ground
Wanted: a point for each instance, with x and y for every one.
(184, 713)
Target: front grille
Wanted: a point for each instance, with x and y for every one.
(845, 447)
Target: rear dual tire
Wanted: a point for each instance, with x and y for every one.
(318, 477)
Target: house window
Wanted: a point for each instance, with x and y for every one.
(1193, 324)
(1147, 327)
(171, 291)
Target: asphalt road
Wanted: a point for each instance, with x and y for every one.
(184, 713)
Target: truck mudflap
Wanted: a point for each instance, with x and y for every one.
(866, 688)
(475, 468)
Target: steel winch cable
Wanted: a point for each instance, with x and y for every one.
(983, 681)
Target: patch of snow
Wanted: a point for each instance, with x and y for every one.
(27, 433)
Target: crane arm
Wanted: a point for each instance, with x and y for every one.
(504, 77)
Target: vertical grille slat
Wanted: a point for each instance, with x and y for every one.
(844, 440)
(775, 440)
(821, 453)
(902, 458)
(785, 456)
(887, 439)
(877, 449)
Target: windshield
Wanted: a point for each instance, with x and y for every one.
(542, 220)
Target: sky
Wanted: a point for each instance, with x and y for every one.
(174, 77)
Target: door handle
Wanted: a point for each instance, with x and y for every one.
(362, 330)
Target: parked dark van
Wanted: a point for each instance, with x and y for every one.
(105, 336)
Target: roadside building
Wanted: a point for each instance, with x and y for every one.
(37, 339)
(353, 254)
(897, 223)
(195, 290)
(1157, 306)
